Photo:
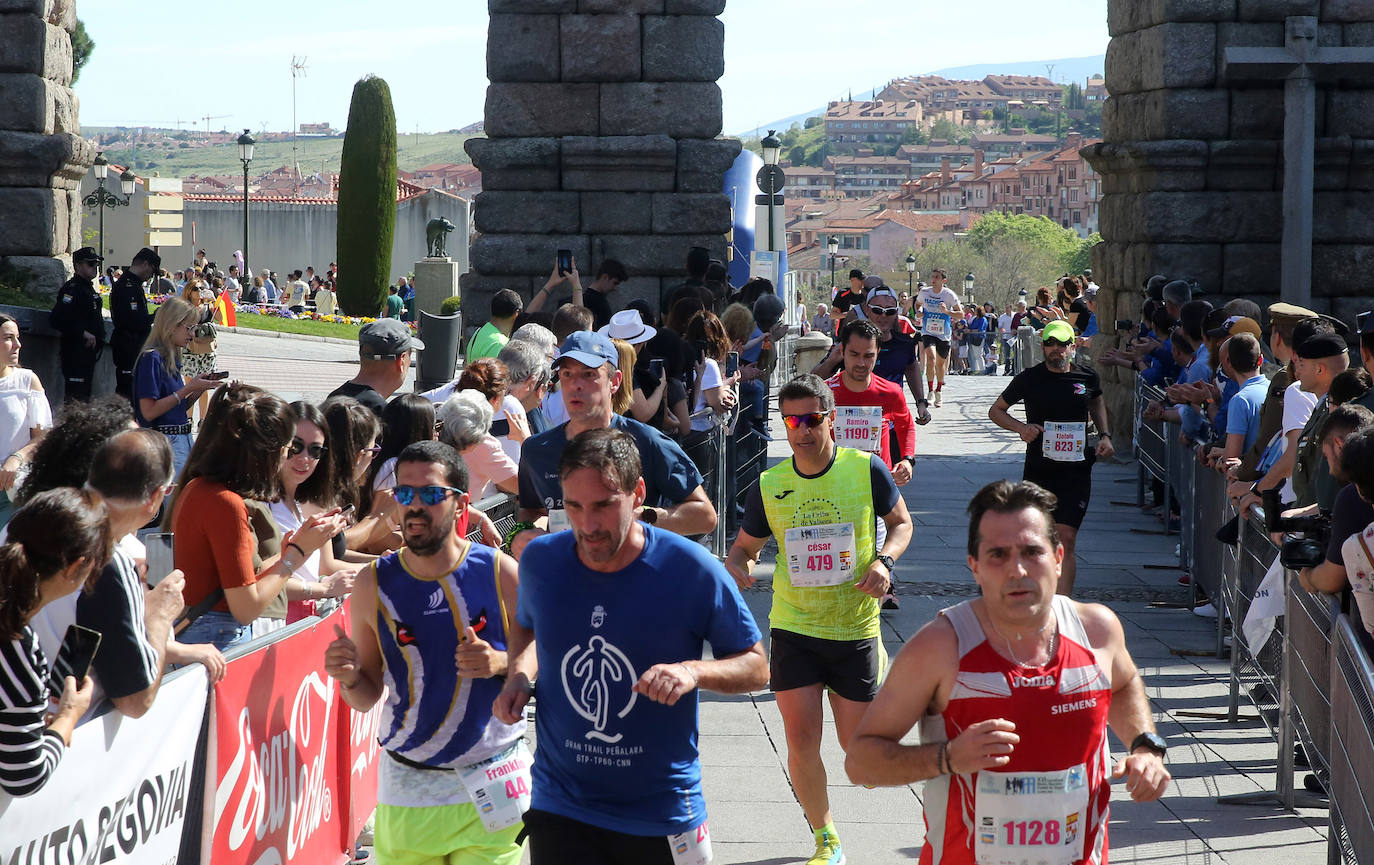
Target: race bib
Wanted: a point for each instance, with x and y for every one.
(937, 325)
(820, 555)
(859, 427)
(558, 520)
(500, 786)
(692, 847)
(1063, 441)
(1031, 818)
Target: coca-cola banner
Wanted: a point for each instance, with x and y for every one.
(121, 792)
(288, 784)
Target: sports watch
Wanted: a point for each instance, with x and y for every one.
(888, 562)
(1153, 741)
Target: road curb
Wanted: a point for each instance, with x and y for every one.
(308, 337)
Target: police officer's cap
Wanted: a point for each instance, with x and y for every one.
(87, 254)
(1288, 313)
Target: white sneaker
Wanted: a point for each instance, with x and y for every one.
(1206, 611)
(939, 394)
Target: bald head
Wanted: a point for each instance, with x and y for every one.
(131, 466)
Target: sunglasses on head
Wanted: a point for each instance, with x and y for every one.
(810, 419)
(1057, 342)
(428, 495)
(297, 447)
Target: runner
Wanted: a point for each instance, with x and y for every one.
(617, 777)
(1014, 691)
(937, 304)
(430, 624)
(899, 354)
(1059, 398)
(872, 411)
(820, 508)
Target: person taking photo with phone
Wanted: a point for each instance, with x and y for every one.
(56, 543)
(161, 396)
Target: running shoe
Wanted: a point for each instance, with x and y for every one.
(939, 394)
(828, 851)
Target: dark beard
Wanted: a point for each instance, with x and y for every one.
(423, 545)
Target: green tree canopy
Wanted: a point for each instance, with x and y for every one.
(82, 46)
(367, 199)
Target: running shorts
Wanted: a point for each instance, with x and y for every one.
(941, 345)
(851, 668)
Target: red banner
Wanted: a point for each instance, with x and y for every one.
(294, 771)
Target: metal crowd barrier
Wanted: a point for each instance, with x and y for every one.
(1256, 669)
(1351, 758)
(1151, 442)
(1310, 621)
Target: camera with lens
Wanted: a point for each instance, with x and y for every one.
(1297, 553)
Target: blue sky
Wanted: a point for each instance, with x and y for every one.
(159, 61)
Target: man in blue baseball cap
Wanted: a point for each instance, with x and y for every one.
(588, 378)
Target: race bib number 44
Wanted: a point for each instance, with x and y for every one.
(859, 427)
(820, 555)
(500, 786)
(1064, 442)
(1031, 817)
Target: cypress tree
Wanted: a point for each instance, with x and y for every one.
(367, 199)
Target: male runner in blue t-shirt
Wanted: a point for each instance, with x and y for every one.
(620, 612)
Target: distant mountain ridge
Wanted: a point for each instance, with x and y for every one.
(1066, 70)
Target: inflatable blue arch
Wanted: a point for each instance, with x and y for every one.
(741, 187)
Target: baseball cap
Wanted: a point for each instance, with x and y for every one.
(589, 348)
(1154, 286)
(1364, 322)
(1060, 330)
(882, 291)
(386, 337)
(1232, 325)
(873, 281)
(1091, 292)
(88, 254)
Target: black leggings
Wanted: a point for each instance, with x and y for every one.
(558, 840)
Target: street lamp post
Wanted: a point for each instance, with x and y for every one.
(833, 246)
(770, 177)
(910, 274)
(968, 290)
(245, 156)
(103, 198)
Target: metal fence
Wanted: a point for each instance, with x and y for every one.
(1310, 679)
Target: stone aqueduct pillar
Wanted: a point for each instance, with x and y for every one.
(42, 155)
(1192, 165)
(601, 123)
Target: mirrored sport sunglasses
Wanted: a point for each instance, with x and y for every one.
(810, 419)
(883, 310)
(297, 447)
(1058, 342)
(428, 495)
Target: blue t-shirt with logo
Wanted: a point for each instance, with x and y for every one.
(1243, 411)
(607, 756)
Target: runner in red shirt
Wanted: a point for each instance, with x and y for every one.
(868, 406)
(1014, 691)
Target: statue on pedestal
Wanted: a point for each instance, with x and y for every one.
(436, 236)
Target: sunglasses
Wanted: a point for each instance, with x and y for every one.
(374, 450)
(297, 447)
(883, 310)
(428, 495)
(810, 419)
(1056, 342)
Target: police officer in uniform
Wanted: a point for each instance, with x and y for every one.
(77, 315)
(132, 320)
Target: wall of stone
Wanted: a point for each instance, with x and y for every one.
(42, 156)
(601, 123)
(1192, 166)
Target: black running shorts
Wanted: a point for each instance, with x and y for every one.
(1073, 487)
(850, 668)
(941, 345)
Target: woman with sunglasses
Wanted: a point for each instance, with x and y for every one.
(235, 559)
(407, 419)
(161, 396)
(305, 477)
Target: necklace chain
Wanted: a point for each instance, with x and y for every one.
(1049, 655)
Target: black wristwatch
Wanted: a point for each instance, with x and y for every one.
(888, 562)
(911, 459)
(1153, 741)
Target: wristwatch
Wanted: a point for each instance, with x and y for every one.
(1153, 741)
(888, 562)
(911, 459)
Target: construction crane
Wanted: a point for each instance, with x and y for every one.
(207, 118)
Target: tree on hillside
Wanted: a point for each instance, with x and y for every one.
(367, 199)
(1082, 256)
(82, 46)
(813, 121)
(1037, 231)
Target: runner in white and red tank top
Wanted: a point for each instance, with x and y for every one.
(1014, 692)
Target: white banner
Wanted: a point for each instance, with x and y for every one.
(121, 792)
(1265, 608)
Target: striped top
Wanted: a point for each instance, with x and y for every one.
(29, 752)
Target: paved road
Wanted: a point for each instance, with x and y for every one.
(755, 818)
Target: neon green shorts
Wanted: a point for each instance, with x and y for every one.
(441, 835)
